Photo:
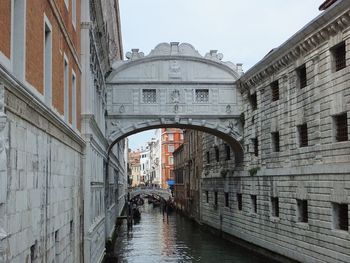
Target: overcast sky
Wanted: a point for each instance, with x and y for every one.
(243, 30)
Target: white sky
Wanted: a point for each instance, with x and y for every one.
(243, 30)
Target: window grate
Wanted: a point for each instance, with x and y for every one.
(275, 207)
(228, 152)
(275, 141)
(202, 95)
(275, 90)
(254, 204)
(239, 201)
(302, 76)
(303, 135)
(256, 146)
(227, 201)
(302, 211)
(215, 198)
(343, 217)
(149, 96)
(341, 122)
(253, 101)
(339, 55)
(217, 154)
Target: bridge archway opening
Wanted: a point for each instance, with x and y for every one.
(220, 131)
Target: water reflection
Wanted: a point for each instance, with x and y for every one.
(176, 239)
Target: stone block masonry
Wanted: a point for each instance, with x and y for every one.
(43, 204)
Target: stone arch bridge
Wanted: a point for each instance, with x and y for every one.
(174, 86)
(163, 193)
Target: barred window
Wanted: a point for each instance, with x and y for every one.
(302, 76)
(217, 154)
(256, 146)
(228, 152)
(302, 211)
(275, 210)
(275, 136)
(254, 204)
(227, 200)
(340, 216)
(341, 127)
(275, 90)
(339, 56)
(303, 135)
(253, 101)
(202, 95)
(215, 198)
(149, 96)
(239, 202)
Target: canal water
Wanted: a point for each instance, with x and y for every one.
(176, 239)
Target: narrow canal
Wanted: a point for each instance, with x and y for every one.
(156, 239)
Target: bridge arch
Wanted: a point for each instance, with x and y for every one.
(174, 86)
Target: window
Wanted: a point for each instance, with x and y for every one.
(227, 200)
(302, 77)
(208, 157)
(275, 90)
(74, 101)
(149, 96)
(48, 65)
(207, 196)
(239, 201)
(171, 148)
(340, 216)
(34, 252)
(275, 136)
(57, 247)
(181, 136)
(171, 160)
(253, 101)
(302, 211)
(66, 2)
(275, 211)
(254, 204)
(170, 137)
(341, 127)
(215, 198)
(66, 90)
(71, 234)
(228, 152)
(217, 154)
(18, 43)
(256, 146)
(202, 95)
(74, 12)
(339, 56)
(303, 136)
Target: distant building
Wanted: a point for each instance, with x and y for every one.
(145, 165)
(155, 157)
(171, 139)
(135, 167)
(188, 167)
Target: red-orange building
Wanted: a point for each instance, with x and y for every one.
(171, 138)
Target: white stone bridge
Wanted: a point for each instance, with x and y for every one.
(174, 86)
(163, 193)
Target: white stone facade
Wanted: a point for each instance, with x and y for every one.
(290, 195)
(41, 178)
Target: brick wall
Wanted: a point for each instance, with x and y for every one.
(5, 28)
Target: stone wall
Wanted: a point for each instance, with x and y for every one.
(294, 195)
(43, 205)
